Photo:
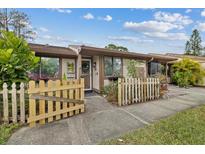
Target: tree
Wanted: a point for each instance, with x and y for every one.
(16, 59)
(16, 21)
(115, 47)
(4, 19)
(188, 48)
(193, 46)
(187, 72)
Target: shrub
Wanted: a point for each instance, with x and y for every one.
(132, 68)
(187, 72)
(111, 91)
(16, 59)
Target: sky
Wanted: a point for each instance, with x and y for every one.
(140, 30)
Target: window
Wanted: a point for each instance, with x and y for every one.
(112, 66)
(154, 68)
(48, 69)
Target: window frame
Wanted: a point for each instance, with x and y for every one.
(112, 58)
(157, 70)
(40, 68)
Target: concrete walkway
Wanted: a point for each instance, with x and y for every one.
(103, 121)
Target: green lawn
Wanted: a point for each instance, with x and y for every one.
(187, 127)
(6, 130)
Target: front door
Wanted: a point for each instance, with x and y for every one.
(86, 73)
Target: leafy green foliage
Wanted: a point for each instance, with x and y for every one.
(193, 46)
(6, 130)
(187, 72)
(132, 68)
(49, 66)
(186, 127)
(16, 59)
(115, 47)
(111, 91)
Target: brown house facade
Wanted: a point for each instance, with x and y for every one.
(98, 66)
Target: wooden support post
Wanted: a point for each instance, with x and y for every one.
(82, 93)
(79, 63)
(166, 70)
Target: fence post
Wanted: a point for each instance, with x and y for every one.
(42, 103)
(32, 105)
(5, 103)
(22, 103)
(82, 92)
(119, 92)
(14, 103)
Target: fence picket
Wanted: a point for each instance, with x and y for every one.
(58, 104)
(71, 97)
(135, 83)
(5, 103)
(14, 103)
(126, 91)
(32, 105)
(50, 103)
(76, 82)
(22, 103)
(133, 90)
(123, 90)
(65, 95)
(42, 103)
(119, 92)
(158, 84)
(132, 85)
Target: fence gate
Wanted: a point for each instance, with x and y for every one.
(55, 100)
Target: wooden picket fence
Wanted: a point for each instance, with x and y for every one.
(47, 101)
(134, 90)
(55, 100)
(13, 109)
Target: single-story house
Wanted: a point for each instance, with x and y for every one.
(98, 66)
(199, 59)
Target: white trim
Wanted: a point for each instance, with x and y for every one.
(85, 59)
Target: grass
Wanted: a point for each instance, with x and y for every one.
(6, 131)
(187, 127)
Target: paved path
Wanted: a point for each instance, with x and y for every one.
(103, 120)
